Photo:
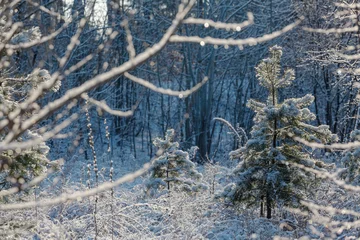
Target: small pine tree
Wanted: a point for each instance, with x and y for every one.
(266, 175)
(16, 167)
(351, 160)
(172, 169)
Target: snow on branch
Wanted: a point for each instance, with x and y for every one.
(332, 30)
(130, 48)
(221, 25)
(336, 146)
(233, 129)
(77, 196)
(73, 42)
(330, 176)
(329, 209)
(234, 42)
(102, 105)
(180, 94)
(352, 5)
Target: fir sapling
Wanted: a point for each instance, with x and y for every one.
(18, 167)
(172, 169)
(265, 176)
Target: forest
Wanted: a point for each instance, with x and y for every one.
(179, 119)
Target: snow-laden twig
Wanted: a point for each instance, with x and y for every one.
(130, 48)
(180, 94)
(329, 209)
(332, 30)
(102, 105)
(221, 25)
(334, 146)
(330, 176)
(243, 133)
(347, 5)
(234, 42)
(77, 196)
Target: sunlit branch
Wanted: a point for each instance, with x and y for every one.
(234, 42)
(170, 92)
(221, 25)
(130, 48)
(339, 146)
(102, 105)
(332, 30)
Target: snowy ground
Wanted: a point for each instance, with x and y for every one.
(130, 214)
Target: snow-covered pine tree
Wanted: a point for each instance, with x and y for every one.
(16, 167)
(351, 160)
(172, 169)
(265, 175)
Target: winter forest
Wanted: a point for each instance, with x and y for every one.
(179, 119)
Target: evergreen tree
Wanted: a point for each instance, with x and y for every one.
(266, 174)
(16, 167)
(172, 169)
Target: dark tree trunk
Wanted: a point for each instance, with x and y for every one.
(268, 204)
(262, 214)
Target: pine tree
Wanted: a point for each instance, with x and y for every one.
(172, 169)
(16, 167)
(265, 175)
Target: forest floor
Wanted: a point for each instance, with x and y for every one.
(131, 214)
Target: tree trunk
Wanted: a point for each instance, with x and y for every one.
(268, 203)
(262, 214)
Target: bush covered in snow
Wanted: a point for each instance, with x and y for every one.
(172, 169)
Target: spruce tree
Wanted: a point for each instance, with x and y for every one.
(17, 167)
(265, 175)
(172, 169)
